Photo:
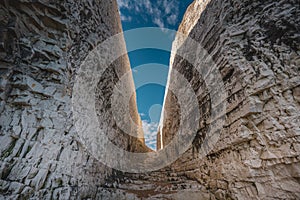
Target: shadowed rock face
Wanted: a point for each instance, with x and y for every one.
(42, 44)
(255, 46)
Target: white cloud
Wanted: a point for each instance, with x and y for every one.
(147, 4)
(123, 3)
(163, 13)
(150, 133)
(158, 22)
(169, 6)
(172, 19)
(125, 18)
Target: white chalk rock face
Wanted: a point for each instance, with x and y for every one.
(255, 47)
(240, 60)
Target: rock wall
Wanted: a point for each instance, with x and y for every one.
(42, 44)
(256, 48)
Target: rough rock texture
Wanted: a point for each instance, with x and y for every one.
(256, 46)
(190, 19)
(42, 44)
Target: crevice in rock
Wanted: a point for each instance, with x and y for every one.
(255, 46)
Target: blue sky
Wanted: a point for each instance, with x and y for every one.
(151, 63)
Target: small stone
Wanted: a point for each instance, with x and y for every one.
(266, 155)
(46, 122)
(17, 130)
(16, 187)
(34, 85)
(49, 91)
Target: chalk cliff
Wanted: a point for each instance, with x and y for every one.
(245, 76)
(42, 45)
(255, 46)
(241, 59)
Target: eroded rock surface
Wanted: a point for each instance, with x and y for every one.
(255, 46)
(42, 44)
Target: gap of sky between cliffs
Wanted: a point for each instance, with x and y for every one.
(148, 63)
